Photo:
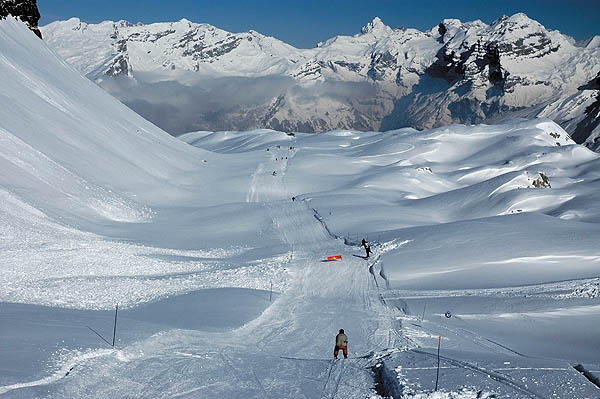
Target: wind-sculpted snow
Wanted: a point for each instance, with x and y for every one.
(217, 255)
(374, 183)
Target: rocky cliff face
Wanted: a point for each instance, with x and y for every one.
(186, 76)
(26, 10)
(588, 128)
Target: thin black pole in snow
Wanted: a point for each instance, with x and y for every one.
(423, 316)
(271, 292)
(437, 375)
(115, 327)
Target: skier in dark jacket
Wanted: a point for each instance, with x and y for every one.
(341, 342)
(367, 247)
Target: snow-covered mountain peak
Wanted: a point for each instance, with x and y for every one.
(172, 48)
(519, 18)
(376, 27)
(593, 42)
(456, 72)
(72, 21)
(122, 23)
(516, 34)
(516, 26)
(452, 22)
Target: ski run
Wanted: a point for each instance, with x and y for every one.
(212, 245)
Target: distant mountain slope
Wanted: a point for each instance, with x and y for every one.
(186, 76)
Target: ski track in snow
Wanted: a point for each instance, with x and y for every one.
(336, 370)
(64, 371)
(302, 229)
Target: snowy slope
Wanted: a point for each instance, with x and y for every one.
(451, 176)
(72, 156)
(378, 79)
(55, 126)
(497, 223)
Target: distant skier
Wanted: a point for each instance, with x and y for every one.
(341, 342)
(367, 247)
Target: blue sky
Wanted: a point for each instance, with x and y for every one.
(304, 23)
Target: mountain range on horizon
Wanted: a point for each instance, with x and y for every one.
(186, 76)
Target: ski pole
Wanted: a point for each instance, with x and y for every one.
(437, 375)
(115, 327)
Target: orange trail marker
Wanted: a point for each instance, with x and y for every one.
(334, 257)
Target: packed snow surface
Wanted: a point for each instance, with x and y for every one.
(214, 246)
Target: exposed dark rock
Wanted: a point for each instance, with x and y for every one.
(589, 123)
(470, 63)
(221, 48)
(25, 10)
(445, 67)
(442, 29)
(554, 135)
(352, 66)
(309, 126)
(380, 64)
(120, 64)
(542, 181)
(593, 84)
(273, 109)
(119, 67)
(491, 58)
(311, 68)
